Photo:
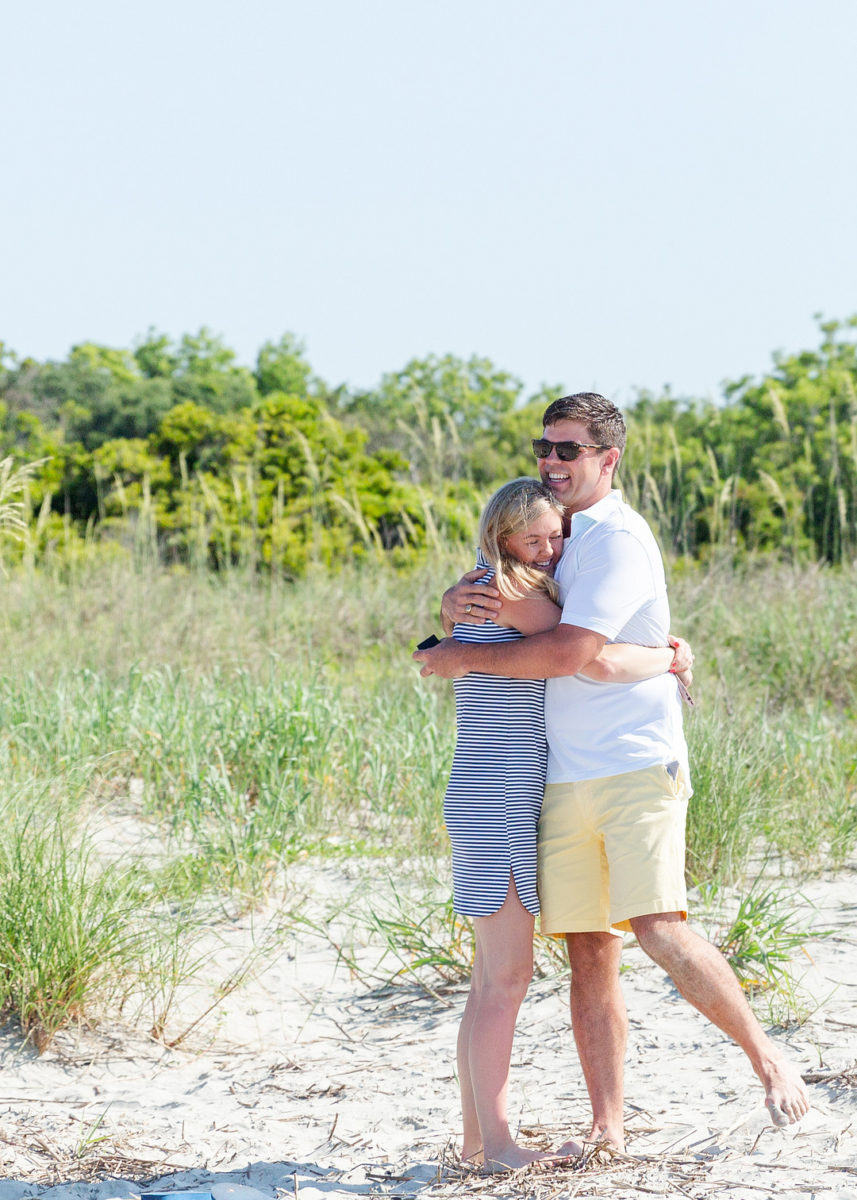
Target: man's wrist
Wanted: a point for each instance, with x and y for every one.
(466, 657)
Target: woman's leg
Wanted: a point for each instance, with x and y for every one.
(504, 967)
(471, 1143)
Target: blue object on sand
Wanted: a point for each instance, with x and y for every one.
(175, 1196)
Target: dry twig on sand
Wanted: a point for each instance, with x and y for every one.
(846, 1077)
(55, 1164)
(546, 1180)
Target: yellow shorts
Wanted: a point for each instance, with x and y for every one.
(611, 849)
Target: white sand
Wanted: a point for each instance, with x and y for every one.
(303, 1084)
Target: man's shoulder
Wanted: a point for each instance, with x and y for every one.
(615, 537)
(614, 515)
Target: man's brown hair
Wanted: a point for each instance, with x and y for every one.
(601, 417)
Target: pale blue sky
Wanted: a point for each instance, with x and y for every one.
(604, 195)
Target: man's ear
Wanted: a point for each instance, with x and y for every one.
(609, 461)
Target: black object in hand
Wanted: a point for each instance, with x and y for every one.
(430, 641)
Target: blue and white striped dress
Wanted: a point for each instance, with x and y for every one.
(494, 796)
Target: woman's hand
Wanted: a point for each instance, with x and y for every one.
(470, 602)
(681, 666)
(682, 658)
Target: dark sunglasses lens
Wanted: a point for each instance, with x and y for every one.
(565, 451)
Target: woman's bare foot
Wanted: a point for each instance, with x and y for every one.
(570, 1149)
(786, 1097)
(474, 1158)
(513, 1156)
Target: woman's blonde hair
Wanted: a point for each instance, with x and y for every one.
(511, 509)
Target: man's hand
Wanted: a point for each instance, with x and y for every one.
(468, 601)
(446, 659)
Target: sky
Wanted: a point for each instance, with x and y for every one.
(594, 196)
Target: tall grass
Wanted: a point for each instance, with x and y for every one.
(81, 937)
(759, 933)
(65, 936)
(774, 747)
(248, 722)
(266, 719)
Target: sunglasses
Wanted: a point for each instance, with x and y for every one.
(565, 451)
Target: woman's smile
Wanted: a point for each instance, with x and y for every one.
(540, 544)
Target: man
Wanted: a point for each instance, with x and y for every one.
(611, 836)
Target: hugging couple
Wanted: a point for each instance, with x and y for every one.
(567, 798)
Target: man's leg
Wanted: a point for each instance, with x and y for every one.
(705, 979)
(599, 1021)
(574, 894)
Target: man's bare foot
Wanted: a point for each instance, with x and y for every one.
(513, 1156)
(786, 1097)
(570, 1149)
(611, 1139)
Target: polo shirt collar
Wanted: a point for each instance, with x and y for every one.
(587, 517)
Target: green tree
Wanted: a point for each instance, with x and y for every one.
(799, 447)
(440, 413)
(282, 367)
(199, 368)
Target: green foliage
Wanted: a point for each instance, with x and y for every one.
(245, 723)
(282, 367)
(199, 369)
(13, 485)
(75, 935)
(774, 468)
(175, 450)
(758, 940)
(442, 415)
(282, 483)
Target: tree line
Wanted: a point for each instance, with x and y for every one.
(175, 447)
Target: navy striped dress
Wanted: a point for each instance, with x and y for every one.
(494, 796)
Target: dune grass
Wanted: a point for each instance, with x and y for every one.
(265, 720)
(80, 936)
(248, 722)
(67, 932)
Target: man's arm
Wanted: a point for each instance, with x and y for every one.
(564, 650)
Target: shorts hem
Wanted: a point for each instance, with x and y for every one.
(654, 909)
(559, 929)
(620, 925)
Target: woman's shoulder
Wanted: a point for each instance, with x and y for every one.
(482, 564)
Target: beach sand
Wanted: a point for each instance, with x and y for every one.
(303, 1083)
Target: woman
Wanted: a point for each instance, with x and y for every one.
(494, 796)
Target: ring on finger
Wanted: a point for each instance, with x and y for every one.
(467, 607)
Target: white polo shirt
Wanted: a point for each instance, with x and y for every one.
(611, 580)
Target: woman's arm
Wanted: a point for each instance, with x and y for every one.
(534, 613)
(623, 662)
